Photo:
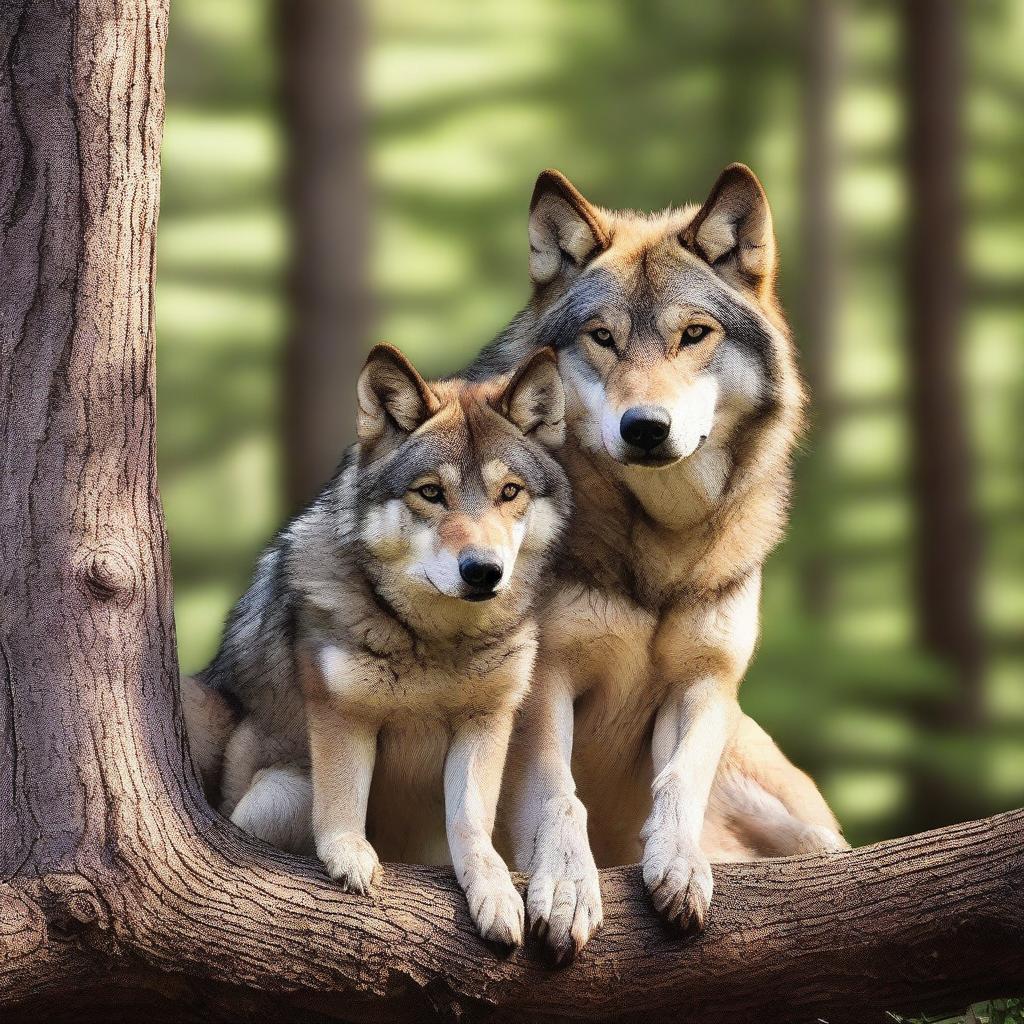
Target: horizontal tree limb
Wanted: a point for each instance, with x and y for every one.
(216, 927)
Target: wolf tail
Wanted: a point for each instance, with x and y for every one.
(762, 805)
(209, 720)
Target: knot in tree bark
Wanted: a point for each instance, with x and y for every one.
(72, 904)
(107, 571)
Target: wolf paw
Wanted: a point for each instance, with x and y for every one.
(350, 860)
(494, 904)
(564, 913)
(680, 884)
(563, 900)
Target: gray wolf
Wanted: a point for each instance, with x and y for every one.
(375, 664)
(683, 406)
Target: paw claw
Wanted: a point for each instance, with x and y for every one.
(563, 899)
(494, 903)
(350, 860)
(680, 887)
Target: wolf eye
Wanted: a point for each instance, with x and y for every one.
(695, 333)
(510, 492)
(431, 492)
(603, 337)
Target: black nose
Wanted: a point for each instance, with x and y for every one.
(480, 569)
(645, 426)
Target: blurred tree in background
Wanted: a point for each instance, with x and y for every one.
(892, 659)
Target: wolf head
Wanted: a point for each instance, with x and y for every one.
(667, 325)
(459, 494)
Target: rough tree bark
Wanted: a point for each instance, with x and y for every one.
(328, 199)
(122, 893)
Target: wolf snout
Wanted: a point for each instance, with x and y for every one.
(481, 571)
(645, 426)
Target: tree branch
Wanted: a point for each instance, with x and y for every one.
(228, 929)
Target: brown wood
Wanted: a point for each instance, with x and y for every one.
(946, 535)
(328, 199)
(122, 895)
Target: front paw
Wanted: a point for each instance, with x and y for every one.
(494, 904)
(350, 860)
(563, 899)
(679, 882)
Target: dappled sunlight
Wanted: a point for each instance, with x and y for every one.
(862, 796)
(641, 105)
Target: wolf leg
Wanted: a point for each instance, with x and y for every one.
(691, 731)
(277, 808)
(343, 750)
(472, 779)
(549, 823)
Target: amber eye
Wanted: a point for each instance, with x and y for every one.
(603, 337)
(510, 492)
(695, 333)
(431, 493)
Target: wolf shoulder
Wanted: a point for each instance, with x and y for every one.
(255, 657)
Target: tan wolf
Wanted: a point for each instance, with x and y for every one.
(683, 407)
(683, 404)
(387, 637)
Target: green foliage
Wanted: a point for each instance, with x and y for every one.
(997, 1011)
(641, 104)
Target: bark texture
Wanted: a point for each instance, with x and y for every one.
(122, 895)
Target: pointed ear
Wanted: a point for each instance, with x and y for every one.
(534, 399)
(392, 395)
(565, 230)
(733, 230)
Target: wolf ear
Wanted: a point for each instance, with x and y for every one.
(392, 395)
(733, 230)
(565, 230)
(534, 399)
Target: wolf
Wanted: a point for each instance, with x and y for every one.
(366, 684)
(683, 406)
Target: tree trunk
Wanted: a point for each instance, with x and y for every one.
(328, 200)
(946, 535)
(123, 895)
(818, 287)
(946, 538)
